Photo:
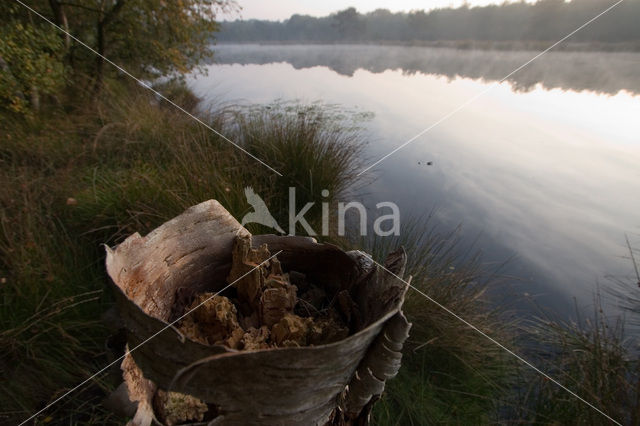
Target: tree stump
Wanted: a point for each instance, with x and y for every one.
(177, 379)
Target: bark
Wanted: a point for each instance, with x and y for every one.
(104, 20)
(35, 98)
(60, 18)
(308, 385)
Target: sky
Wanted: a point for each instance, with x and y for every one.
(283, 9)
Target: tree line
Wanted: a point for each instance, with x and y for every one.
(545, 20)
(147, 37)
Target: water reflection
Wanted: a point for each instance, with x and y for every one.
(596, 71)
(550, 176)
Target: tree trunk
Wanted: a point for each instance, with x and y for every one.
(100, 56)
(60, 18)
(104, 19)
(35, 98)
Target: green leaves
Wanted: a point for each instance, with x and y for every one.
(149, 38)
(30, 64)
(155, 37)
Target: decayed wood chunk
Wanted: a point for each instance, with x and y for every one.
(214, 320)
(256, 338)
(169, 408)
(276, 303)
(250, 281)
(291, 330)
(266, 290)
(140, 390)
(174, 408)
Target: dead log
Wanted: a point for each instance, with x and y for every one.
(333, 383)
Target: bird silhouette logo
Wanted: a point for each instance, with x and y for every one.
(260, 213)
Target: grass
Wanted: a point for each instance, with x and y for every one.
(450, 373)
(279, 134)
(97, 172)
(591, 357)
(453, 375)
(596, 356)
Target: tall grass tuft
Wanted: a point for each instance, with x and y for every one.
(316, 147)
(450, 373)
(591, 357)
(595, 355)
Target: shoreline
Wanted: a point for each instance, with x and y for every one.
(514, 45)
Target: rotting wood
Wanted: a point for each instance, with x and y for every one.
(263, 307)
(159, 276)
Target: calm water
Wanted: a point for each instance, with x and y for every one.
(545, 166)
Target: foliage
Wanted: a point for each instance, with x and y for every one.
(157, 37)
(545, 20)
(148, 38)
(30, 60)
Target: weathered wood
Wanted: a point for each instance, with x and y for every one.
(291, 385)
(140, 390)
(380, 364)
(192, 251)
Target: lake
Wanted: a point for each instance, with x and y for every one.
(543, 166)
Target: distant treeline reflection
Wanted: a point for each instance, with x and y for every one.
(605, 72)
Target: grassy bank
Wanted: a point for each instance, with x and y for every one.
(450, 373)
(95, 172)
(88, 172)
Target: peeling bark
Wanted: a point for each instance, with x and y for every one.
(294, 384)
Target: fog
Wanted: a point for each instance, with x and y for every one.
(603, 72)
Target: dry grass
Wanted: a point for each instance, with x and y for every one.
(95, 173)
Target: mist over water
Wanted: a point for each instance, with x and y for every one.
(544, 167)
(603, 72)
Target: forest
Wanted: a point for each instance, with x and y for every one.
(545, 20)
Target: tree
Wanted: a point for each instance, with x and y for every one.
(30, 61)
(544, 20)
(348, 23)
(149, 38)
(156, 37)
